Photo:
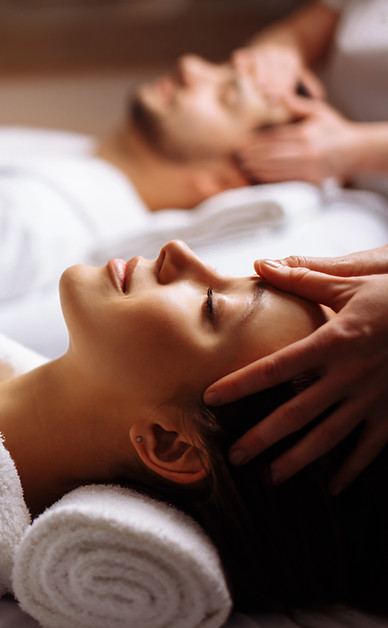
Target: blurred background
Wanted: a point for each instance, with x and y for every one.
(69, 64)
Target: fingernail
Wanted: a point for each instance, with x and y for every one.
(238, 456)
(271, 262)
(211, 398)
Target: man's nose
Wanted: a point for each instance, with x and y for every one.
(191, 70)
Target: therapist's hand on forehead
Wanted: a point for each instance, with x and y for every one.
(277, 70)
(279, 56)
(349, 353)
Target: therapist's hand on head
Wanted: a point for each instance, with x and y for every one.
(277, 69)
(349, 353)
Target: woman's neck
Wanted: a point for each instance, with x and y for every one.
(52, 449)
(24, 409)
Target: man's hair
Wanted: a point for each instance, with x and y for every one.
(291, 545)
(145, 122)
(151, 130)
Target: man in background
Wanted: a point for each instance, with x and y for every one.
(183, 130)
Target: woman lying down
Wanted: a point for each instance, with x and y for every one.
(124, 405)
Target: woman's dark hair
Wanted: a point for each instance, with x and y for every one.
(294, 544)
(291, 545)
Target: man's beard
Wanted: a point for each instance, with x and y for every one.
(150, 127)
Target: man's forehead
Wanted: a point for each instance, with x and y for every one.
(223, 69)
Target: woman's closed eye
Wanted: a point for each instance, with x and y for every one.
(209, 303)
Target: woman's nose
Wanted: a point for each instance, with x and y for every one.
(180, 262)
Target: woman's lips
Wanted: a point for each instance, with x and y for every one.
(129, 268)
(121, 272)
(117, 272)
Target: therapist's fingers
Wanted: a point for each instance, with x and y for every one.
(275, 70)
(362, 263)
(287, 419)
(299, 358)
(319, 441)
(357, 394)
(321, 348)
(320, 287)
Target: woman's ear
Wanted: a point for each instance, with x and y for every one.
(167, 452)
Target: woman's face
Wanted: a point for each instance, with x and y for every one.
(148, 330)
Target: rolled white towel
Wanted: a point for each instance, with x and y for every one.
(107, 557)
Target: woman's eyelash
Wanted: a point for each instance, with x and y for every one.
(209, 301)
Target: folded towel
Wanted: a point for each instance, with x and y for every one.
(14, 517)
(226, 217)
(107, 557)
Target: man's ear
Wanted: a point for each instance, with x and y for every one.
(213, 176)
(167, 452)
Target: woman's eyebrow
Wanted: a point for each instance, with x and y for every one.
(258, 288)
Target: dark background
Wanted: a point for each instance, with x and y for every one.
(69, 35)
(70, 64)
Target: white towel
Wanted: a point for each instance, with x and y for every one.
(226, 217)
(107, 557)
(14, 516)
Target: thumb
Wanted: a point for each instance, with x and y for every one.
(328, 290)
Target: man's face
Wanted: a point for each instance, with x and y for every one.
(201, 109)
